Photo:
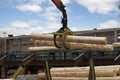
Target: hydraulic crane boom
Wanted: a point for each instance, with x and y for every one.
(61, 7)
(64, 30)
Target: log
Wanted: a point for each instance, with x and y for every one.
(80, 78)
(43, 48)
(118, 72)
(116, 45)
(111, 73)
(101, 71)
(82, 69)
(79, 39)
(70, 69)
(43, 43)
(46, 43)
(76, 46)
(41, 75)
(88, 46)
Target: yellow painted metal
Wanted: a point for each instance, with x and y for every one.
(20, 68)
(48, 71)
(63, 33)
(92, 70)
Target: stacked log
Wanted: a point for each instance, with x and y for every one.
(79, 39)
(71, 42)
(43, 43)
(43, 48)
(88, 46)
(82, 73)
(116, 45)
(78, 78)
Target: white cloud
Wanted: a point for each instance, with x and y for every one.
(110, 24)
(53, 26)
(30, 1)
(53, 20)
(99, 6)
(29, 7)
(50, 13)
(20, 24)
(37, 29)
(36, 1)
(21, 31)
(33, 22)
(26, 28)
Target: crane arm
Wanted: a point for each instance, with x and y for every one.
(64, 30)
(61, 7)
(58, 4)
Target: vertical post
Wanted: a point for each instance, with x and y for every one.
(92, 69)
(20, 45)
(5, 43)
(48, 71)
(115, 36)
(54, 57)
(63, 55)
(60, 54)
(48, 55)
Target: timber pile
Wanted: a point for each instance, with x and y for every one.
(82, 73)
(116, 44)
(46, 42)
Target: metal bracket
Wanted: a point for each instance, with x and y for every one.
(62, 33)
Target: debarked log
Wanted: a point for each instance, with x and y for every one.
(43, 43)
(69, 38)
(111, 73)
(46, 43)
(82, 78)
(101, 71)
(82, 69)
(116, 45)
(77, 46)
(69, 69)
(43, 48)
(88, 46)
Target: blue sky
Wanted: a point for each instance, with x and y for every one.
(22, 17)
